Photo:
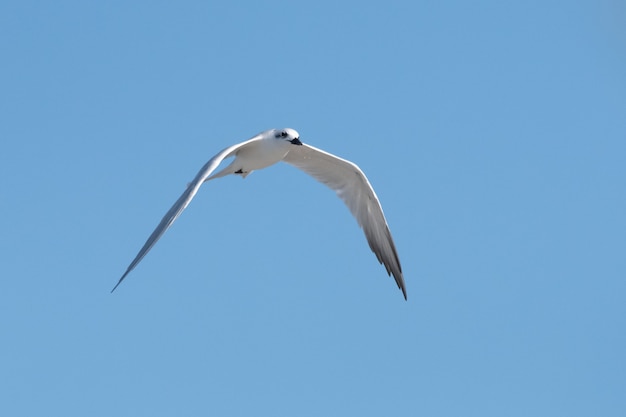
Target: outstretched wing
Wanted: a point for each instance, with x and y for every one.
(182, 203)
(351, 185)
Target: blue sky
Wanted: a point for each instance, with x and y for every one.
(493, 132)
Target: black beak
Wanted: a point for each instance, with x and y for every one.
(296, 141)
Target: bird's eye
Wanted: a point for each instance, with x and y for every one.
(283, 134)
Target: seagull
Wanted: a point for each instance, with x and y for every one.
(272, 146)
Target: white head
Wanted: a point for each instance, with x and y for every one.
(286, 134)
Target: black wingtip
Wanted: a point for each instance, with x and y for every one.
(120, 281)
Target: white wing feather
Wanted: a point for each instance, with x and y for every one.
(182, 203)
(352, 186)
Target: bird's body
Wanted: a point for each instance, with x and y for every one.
(256, 154)
(275, 145)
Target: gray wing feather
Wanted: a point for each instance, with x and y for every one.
(182, 203)
(352, 186)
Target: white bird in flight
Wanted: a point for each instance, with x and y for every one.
(274, 145)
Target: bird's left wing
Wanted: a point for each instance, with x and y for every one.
(182, 203)
(352, 186)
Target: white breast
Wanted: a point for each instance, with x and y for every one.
(261, 154)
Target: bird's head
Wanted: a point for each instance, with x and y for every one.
(288, 135)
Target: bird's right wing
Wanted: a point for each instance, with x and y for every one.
(352, 186)
(182, 203)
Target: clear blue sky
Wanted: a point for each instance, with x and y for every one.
(493, 132)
